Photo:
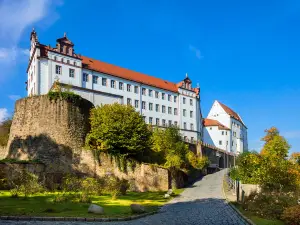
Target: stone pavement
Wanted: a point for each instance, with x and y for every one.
(202, 203)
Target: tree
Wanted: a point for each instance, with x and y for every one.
(295, 158)
(4, 131)
(276, 145)
(118, 130)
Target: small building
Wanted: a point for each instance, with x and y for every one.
(162, 103)
(224, 129)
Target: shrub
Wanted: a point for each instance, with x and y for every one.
(291, 215)
(71, 183)
(24, 183)
(85, 198)
(115, 186)
(61, 198)
(269, 204)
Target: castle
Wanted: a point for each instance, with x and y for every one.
(162, 103)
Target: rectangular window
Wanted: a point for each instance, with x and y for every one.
(192, 139)
(71, 73)
(226, 133)
(156, 94)
(192, 126)
(175, 98)
(157, 107)
(128, 101)
(191, 114)
(150, 120)
(150, 106)
(136, 103)
(128, 87)
(169, 98)
(185, 138)
(136, 89)
(164, 122)
(112, 84)
(220, 142)
(143, 91)
(175, 123)
(150, 92)
(68, 61)
(143, 105)
(184, 112)
(222, 132)
(191, 101)
(95, 79)
(210, 128)
(104, 81)
(232, 143)
(157, 122)
(184, 125)
(183, 100)
(144, 118)
(85, 77)
(175, 111)
(170, 123)
(58, 69)
(163, 109)
(121, 85)
(169, 110)
(163, 96)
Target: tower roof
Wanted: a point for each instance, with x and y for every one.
(230, 112)
(210, 123)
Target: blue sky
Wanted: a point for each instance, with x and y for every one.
(242, 53)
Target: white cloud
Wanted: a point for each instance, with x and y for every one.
(3, 114)
(14, 97)
(291, 134)
(10, 55)
(16, 16)
(196, 51)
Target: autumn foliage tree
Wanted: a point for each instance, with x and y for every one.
(271, 168)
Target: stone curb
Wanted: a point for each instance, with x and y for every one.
(36, 218)
(233, 207)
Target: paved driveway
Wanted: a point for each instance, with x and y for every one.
(203, 203)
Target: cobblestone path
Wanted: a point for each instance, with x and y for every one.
(202, 203)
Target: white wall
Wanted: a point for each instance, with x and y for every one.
(212, 136)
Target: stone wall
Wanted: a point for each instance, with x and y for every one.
(54, 132)
(51, 131)
(2, 152)
(142, 177)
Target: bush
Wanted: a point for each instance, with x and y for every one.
(24, 183)
(291, 215)
(71, 183)
(269, 204)
(115, 186)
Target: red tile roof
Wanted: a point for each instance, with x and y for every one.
(210, 122)
(230, 112)
(127, 74)
(102, 67)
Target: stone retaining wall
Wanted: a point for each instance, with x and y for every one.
(3, 152)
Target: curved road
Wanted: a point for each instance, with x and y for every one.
(202, 203)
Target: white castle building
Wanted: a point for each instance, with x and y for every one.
(224, 129)
(161, 102)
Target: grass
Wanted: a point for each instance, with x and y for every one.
(257, 220)
(42, 204)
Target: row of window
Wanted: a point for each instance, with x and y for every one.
(65, 61)
(157, 107)
(232, 143)
(164, 123)
(58, 70)
(121, 85)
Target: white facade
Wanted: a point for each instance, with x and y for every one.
(233, 137)
(158, 106)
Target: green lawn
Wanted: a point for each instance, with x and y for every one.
(43, 205)
(257, 220)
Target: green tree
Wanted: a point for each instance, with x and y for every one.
(4, 131)
(118, 130)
